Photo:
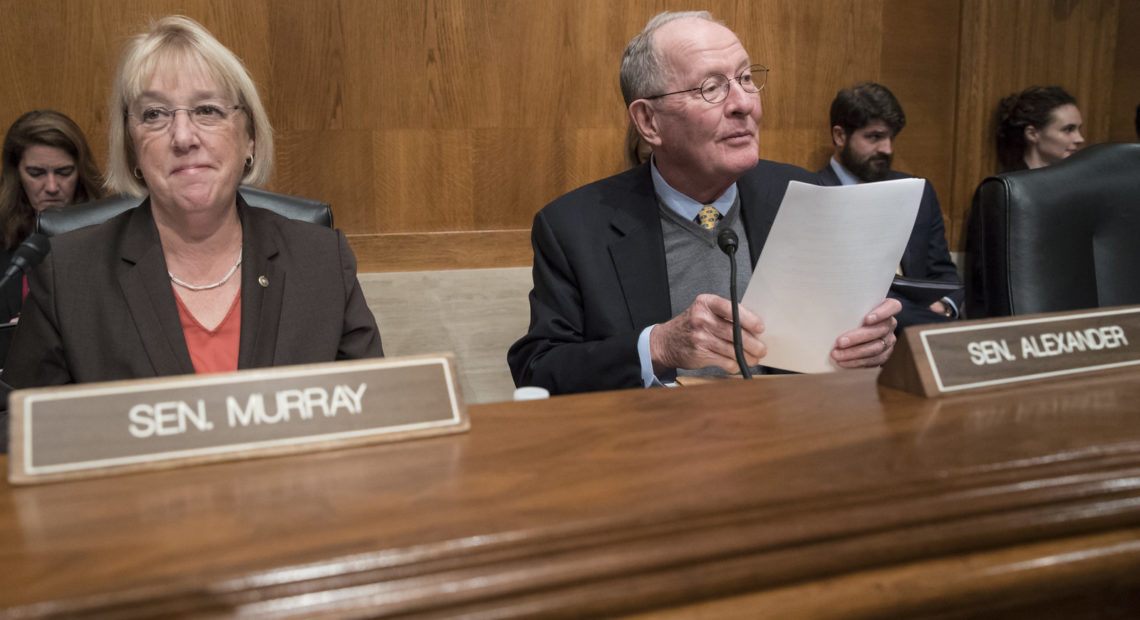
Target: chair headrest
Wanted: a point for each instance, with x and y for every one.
(1114, 165)
(53, 222)
(1057, 238)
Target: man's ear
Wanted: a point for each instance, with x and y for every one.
(838, 137)
(1031, 134)
(645, 118)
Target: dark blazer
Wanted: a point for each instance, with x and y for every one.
(926, 256)
(101, 305)
(11, 296)
(600, 276)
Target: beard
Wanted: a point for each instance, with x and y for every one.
(869, 170)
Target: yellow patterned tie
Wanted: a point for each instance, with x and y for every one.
(708, 217)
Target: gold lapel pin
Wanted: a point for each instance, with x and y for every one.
(263, 281)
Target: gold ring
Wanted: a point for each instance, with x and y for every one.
(885, 345)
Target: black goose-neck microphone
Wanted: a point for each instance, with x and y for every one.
(30, 253)
(727, 240)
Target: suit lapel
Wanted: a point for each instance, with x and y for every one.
(827, 174)
(914, 256)
(262, 289)
(758, 208)
(638, 252)
(13, 296)
(150, 299)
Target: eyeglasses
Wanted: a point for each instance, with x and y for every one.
(206, 116)
(715, 87)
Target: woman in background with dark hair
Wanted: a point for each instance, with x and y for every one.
(46, 164)
(1037, 127)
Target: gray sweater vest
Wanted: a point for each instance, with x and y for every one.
(696, 265)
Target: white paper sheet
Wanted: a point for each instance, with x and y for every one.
(829, 259)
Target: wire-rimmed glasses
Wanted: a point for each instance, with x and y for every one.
(206, 116)
(715, 87)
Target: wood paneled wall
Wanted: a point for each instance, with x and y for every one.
(437, 128)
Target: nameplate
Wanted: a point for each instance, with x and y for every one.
(98, 429)
(991, 353)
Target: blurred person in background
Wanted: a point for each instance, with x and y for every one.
(865, 120)
(46, 165)
(1037, 127)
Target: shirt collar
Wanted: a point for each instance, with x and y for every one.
(845, 177)
(683, 205)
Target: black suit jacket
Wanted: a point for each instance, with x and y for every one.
(101, 305)
(600, 276)
(926, 257)
(11, 296)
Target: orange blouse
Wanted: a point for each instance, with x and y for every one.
(213, 350)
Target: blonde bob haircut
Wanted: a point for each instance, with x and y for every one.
(183, 43)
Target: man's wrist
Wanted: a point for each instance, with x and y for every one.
(648, 376)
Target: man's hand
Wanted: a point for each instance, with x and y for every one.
(872, 343)
(702, 336)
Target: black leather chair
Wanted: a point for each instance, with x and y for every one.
(58, 221)
(1065, 237)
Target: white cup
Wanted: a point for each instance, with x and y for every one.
(531, 393)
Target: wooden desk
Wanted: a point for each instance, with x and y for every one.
(820, 496)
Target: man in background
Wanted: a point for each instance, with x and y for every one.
(865, 120)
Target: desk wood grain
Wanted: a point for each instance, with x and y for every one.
(624, 502)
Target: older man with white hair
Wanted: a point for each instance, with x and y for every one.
(630, 288)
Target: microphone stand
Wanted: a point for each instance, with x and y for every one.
(728, 241)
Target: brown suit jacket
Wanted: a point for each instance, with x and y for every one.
(101, 305)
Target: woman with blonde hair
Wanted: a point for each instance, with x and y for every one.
(194, 279)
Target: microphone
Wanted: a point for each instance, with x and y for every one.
(30, 253)
(727, 241)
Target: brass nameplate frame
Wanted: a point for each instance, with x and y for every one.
(934, 360)
(97, 429)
